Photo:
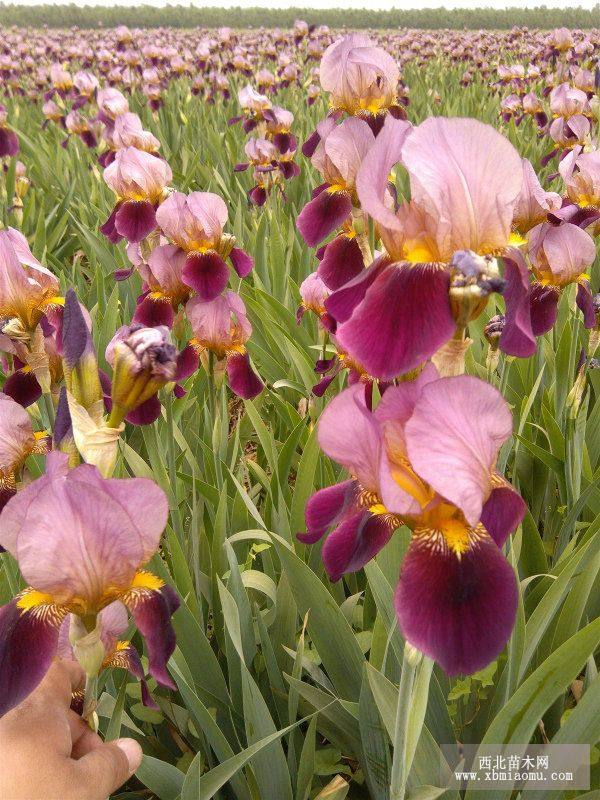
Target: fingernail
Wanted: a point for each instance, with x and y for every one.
(133, 752)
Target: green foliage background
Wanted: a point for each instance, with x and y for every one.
(59, 16)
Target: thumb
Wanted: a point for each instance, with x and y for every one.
(103, 770)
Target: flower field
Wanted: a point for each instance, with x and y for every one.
(300, 409)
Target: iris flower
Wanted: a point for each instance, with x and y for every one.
(81, 542)
(194, 225)
(18, 441)
(221, 327)
(426, 458)
(139, 180)
(465, 179)
(27, 288)
(338, 157)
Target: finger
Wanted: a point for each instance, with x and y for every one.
(62, 679)
(87, 742)
(83, 738)
(104, 769)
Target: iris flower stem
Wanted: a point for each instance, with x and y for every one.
(171, 465)
(211, 387)
(400, 766)
(89, 700)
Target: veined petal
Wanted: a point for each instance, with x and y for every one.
(135, 219)
(322, 215)
(125, 656)
(152, 604)
(503, 511)
(206, 274)
(458, 611)
(326, 507)
(242, 379)
(453, 438)
(404, 318)
(517, 337)
(355, 541)
(29, 627)
(342, 261)
(349, 434)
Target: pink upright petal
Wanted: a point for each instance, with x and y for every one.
(453, 438)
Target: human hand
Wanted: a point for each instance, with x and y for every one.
(50, 753)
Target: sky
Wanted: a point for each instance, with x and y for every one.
(320, 4)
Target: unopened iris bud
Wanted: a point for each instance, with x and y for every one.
(63, 438)
(144, 360)
(595, 331)
(79, 357)
(493, 332)
(575, 396)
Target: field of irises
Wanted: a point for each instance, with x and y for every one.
(300, 410)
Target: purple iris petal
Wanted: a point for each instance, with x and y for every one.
(355, 541)
(310, 145)
(135, 220)
(109, 229)
(322, 215)
(146, 413)
(152, 611)
(326, 507)
(28, 642)
(544, 307)
(9, 143)
(341, 303)
(153, 312)
(585, 303)
(242, 262)
(342, 261)
(403, 319)
(517, 338)
(187, 363)
(242, 379)
(206, 274)
(502, 512)
(22, 387)
(458, 611)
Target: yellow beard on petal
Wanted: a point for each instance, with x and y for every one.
(32, 599)
(445, 528)
(146, 580)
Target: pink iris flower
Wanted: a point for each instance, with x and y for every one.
(139, 180)
(17, 442)
(194, 225)
(465, 180)
(221, 327)
(338, 157)
(27, 288)
(109, 529)
(360, 77)
(426, 458)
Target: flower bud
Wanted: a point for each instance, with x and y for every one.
(595, 331)
(144, 360)
(79, 358)
(493, 332)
